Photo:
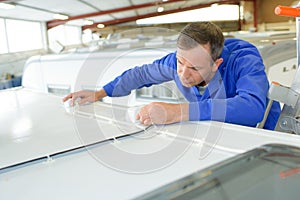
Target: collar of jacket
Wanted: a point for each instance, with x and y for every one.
(215, 88)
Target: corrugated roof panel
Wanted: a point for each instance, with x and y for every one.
(27, 14)
(45, 9)
(147, 10)
(197, 2)
(108, 5)
(69, 7)
(169, 6)
(124, 14)
(137, 2)
(102, 18)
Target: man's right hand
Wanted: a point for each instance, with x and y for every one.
(85, 96)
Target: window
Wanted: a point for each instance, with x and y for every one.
(65, 35)
(23, 35)
(3, 42)
(267, 172)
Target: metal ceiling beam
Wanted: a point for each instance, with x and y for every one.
(133, 18)
(53, 23)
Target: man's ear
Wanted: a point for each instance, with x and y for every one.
(217, 63)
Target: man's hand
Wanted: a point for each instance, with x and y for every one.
(163, 113)
(85, 96)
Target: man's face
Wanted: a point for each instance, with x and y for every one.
(195, 65)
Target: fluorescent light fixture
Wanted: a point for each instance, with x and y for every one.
(100, 25)
(87, 31)
(7, 6)
(215, 13)
(88, 22)
(60, 16)
(160, 9)
(80, 22)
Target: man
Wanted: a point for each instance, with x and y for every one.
(222, 81)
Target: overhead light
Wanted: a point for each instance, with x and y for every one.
(7, 6)
(100, 25)
(60, 16)
(87, 31)
(88, 22)
(160, 9)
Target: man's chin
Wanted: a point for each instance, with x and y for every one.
(187, 84)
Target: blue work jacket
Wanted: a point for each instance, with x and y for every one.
(237, 93)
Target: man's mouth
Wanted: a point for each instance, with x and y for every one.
(186, 82)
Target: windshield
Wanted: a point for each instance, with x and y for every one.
(268, 172)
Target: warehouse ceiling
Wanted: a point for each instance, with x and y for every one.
(85, 12)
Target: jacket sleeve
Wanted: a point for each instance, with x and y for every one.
(247, 105)
(159, 71)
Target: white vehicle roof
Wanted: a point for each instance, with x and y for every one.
(52, 151)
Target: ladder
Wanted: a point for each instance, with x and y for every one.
(289, 119)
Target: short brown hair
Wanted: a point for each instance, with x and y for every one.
(202, 33)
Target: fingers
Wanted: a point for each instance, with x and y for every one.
(137, 117)
(147, 122)
(67, 97)
(73, 97)
(143, 119)
(144, 116)
(158, 113)
(80, 97)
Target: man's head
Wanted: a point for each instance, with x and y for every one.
(199, 47)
